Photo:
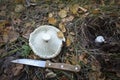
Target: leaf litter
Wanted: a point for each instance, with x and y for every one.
(80, 22)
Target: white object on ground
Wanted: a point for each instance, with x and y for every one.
(44, 41)
(99, 39)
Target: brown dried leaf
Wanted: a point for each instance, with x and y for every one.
(73, 60)
(83, 58)
(64, 78)
(10, 34)
(52, 20)
(60, 34)
(62, 13)
(96, 11)
(62, 27)
(68, 41)
(18, 69)
(32, 56)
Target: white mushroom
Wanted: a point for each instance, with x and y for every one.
(44, 41)
(99, 39)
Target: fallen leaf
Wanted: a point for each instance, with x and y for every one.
(50, 75)
(2, 13)
(96, 11)
(28, 24)
(9, 34)
(74, 8)
(52, 20)
(118, 74)
(35, 78)
(32, 56)
(18, 69)
(83, 9)
(19, 1)
(19, 8)
(83, 58)
(72, 33)
(62, 13)
(17, 21)
(68, 41)
(62, 27)
(64, 78)
(60, 34)
(2, 52)
(73, 60)
(27, 34)
(67, 19)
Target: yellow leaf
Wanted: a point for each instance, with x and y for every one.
(60, 34)
(68, 41)
(96, 11)
(62, 27)
(52, 20)
(62, 13)
(74, 8)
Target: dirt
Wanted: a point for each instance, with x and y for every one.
(80, 22)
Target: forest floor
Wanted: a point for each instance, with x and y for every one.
(81, 21)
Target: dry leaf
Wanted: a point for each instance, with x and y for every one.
(27, 24)
(19, 8)
(62, 27)
(64, 78)
(60, 34)
(52, 20)
(10, 34)
(33, 56)
(17, 21)
(67, 19)
(74, 8)
(96, 11)
(118, 74)
(18, 69)
(2, 13)
(68, 41)
(72, 33)
(83, 9)
(83, 58)
(19, 1)
(62, 13)
(50, 75)
(73, 60)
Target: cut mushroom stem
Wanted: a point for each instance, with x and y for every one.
(46, 37)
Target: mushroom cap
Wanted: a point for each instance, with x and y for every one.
(44, 41)
(99, 39)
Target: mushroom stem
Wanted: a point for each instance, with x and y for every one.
(46, 37)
